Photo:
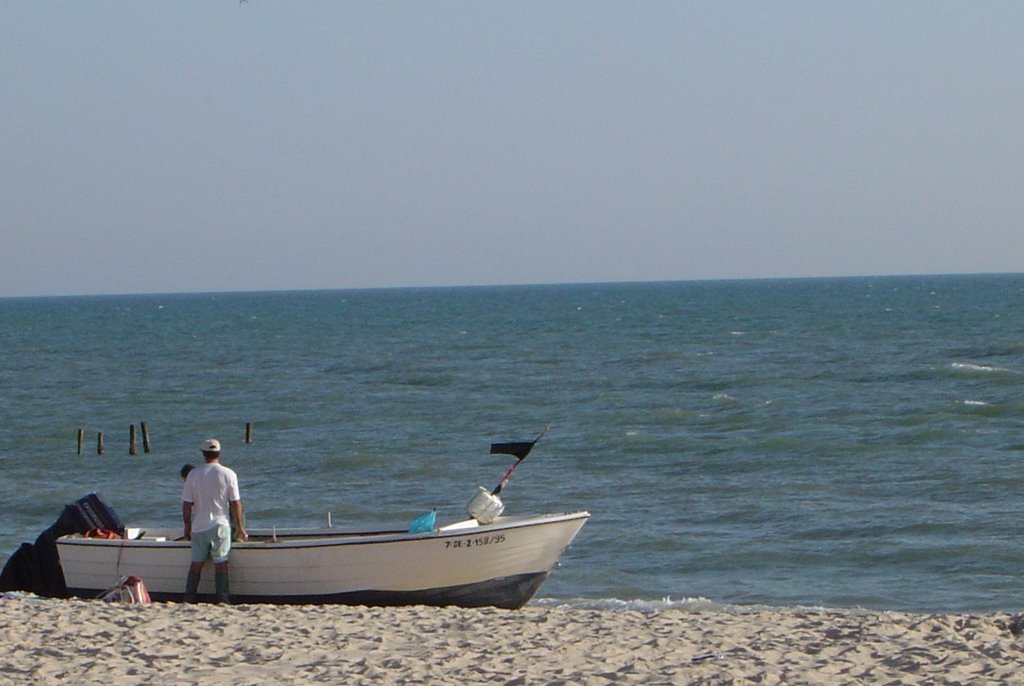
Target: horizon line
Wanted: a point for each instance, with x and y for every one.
(541, 284)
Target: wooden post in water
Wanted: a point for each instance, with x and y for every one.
(132, 449)
(145, 437)
(81, 440)
(99, 443)
(248, 432)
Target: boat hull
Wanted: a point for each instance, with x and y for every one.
(502, 564)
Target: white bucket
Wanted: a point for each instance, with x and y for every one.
(484, 507)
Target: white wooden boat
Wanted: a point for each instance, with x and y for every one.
(488, 560)
(467, 563)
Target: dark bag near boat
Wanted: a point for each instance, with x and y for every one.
(36, 568)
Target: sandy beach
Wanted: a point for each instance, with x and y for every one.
(92, 642)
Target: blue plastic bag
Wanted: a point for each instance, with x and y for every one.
(423, 523)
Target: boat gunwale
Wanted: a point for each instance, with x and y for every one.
(325, 537)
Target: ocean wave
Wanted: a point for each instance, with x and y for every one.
(668, 604)
(983, 408)
(634, 605)
(972, 368)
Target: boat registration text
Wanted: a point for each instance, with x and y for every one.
(474, 542)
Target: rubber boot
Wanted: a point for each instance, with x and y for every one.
(220, 581)
(191, 586)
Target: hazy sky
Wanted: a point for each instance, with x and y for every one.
(218, 145)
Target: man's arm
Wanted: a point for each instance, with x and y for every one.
(239, 515)
(186, 514)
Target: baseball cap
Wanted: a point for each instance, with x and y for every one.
(211, 445)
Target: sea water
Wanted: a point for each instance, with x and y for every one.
(839, 442)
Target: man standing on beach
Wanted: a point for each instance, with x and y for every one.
(208, 500)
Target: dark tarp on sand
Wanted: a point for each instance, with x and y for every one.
(36, 567)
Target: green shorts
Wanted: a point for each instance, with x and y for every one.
(214, 543)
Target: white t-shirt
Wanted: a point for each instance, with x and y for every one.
(210, 488)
